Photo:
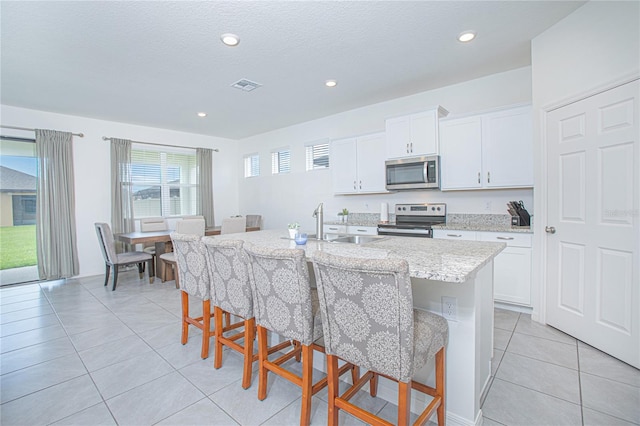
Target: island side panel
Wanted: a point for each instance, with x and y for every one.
(470, 345)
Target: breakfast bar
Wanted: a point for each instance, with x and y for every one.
(462, 270)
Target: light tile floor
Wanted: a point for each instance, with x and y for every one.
(76, 353)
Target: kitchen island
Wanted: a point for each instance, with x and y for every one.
(459, 269)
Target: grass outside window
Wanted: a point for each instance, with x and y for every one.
(17, 246)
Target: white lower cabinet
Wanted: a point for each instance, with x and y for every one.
(511, 268)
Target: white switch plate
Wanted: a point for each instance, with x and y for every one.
(450, 308)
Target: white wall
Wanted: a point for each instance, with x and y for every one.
(293, 197)
(92, 168)
(593, 47)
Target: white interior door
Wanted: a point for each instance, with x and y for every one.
(593, 189)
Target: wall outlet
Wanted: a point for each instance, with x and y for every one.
(450, 308)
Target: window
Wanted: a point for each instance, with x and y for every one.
(164, 181)
(281, 161)
(317, 156)
(251, 165)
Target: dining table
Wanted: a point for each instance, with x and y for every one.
(162, 240)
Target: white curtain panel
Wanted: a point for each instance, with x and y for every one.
(204, 158)
(121, 189)
(55, 206)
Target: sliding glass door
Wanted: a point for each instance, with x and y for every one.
(18, 171)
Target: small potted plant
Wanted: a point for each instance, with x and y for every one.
(293, 229)
(344, 214)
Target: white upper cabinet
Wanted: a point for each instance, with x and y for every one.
(357, 164)
(507, 148)
(414, 134)
(461, 153)
(486, 151)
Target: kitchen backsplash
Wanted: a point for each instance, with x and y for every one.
(478, 219)
(372, 219)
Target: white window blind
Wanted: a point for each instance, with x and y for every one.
(251, 165)
(317, 156)
(281, 161)
(164, 181)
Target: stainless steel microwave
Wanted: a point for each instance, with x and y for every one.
(413, 173)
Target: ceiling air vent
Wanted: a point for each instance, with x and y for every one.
(246, 85)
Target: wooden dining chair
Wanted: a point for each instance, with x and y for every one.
(233, 225)
(369, 320)
(114, 259)
(193, 226)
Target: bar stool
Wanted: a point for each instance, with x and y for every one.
(285, 303)
(195, 281)
(231, 295)
(369, 320)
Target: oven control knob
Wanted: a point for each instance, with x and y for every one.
(438, 208)
(433, 208)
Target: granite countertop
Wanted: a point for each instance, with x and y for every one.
(439, 260)
(362, 222)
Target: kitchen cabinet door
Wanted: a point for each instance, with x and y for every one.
(461, 153)
(512, 276)
(370, 163)
(507, 148)
(362, 230)
(414, 134)
(454, 234)
(487, 151)
(343, 159)
(512, 267)
(357, 164)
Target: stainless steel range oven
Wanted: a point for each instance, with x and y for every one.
(415, 220)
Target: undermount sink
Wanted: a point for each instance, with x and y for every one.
(357, 239)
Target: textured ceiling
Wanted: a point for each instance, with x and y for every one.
(158, 63)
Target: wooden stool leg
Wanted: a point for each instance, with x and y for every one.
(373, 386)
(332, 387)
(249, 336)
(307, 382)
(404, 403)
(440, 385)
(262, 356)
(185, 314)
(206, 328)
(217, 318)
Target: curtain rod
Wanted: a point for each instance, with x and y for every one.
(33, 130)
(104, 138)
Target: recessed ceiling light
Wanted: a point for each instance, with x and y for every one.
(230, 39)
(202, 114)
(331, 83)
(466, 36)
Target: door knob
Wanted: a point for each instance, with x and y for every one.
(550, 229)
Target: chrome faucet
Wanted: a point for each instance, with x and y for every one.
(317, 213)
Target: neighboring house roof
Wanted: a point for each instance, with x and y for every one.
(15, 181)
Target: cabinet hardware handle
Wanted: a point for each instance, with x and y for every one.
(550, 229)
(478, 177)
(333, 229)
(354, 185)
(505, 238)
(454, 235)
(361, 230)
(411, 146)
(488, 177)
(360, 184)
(407, 148)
